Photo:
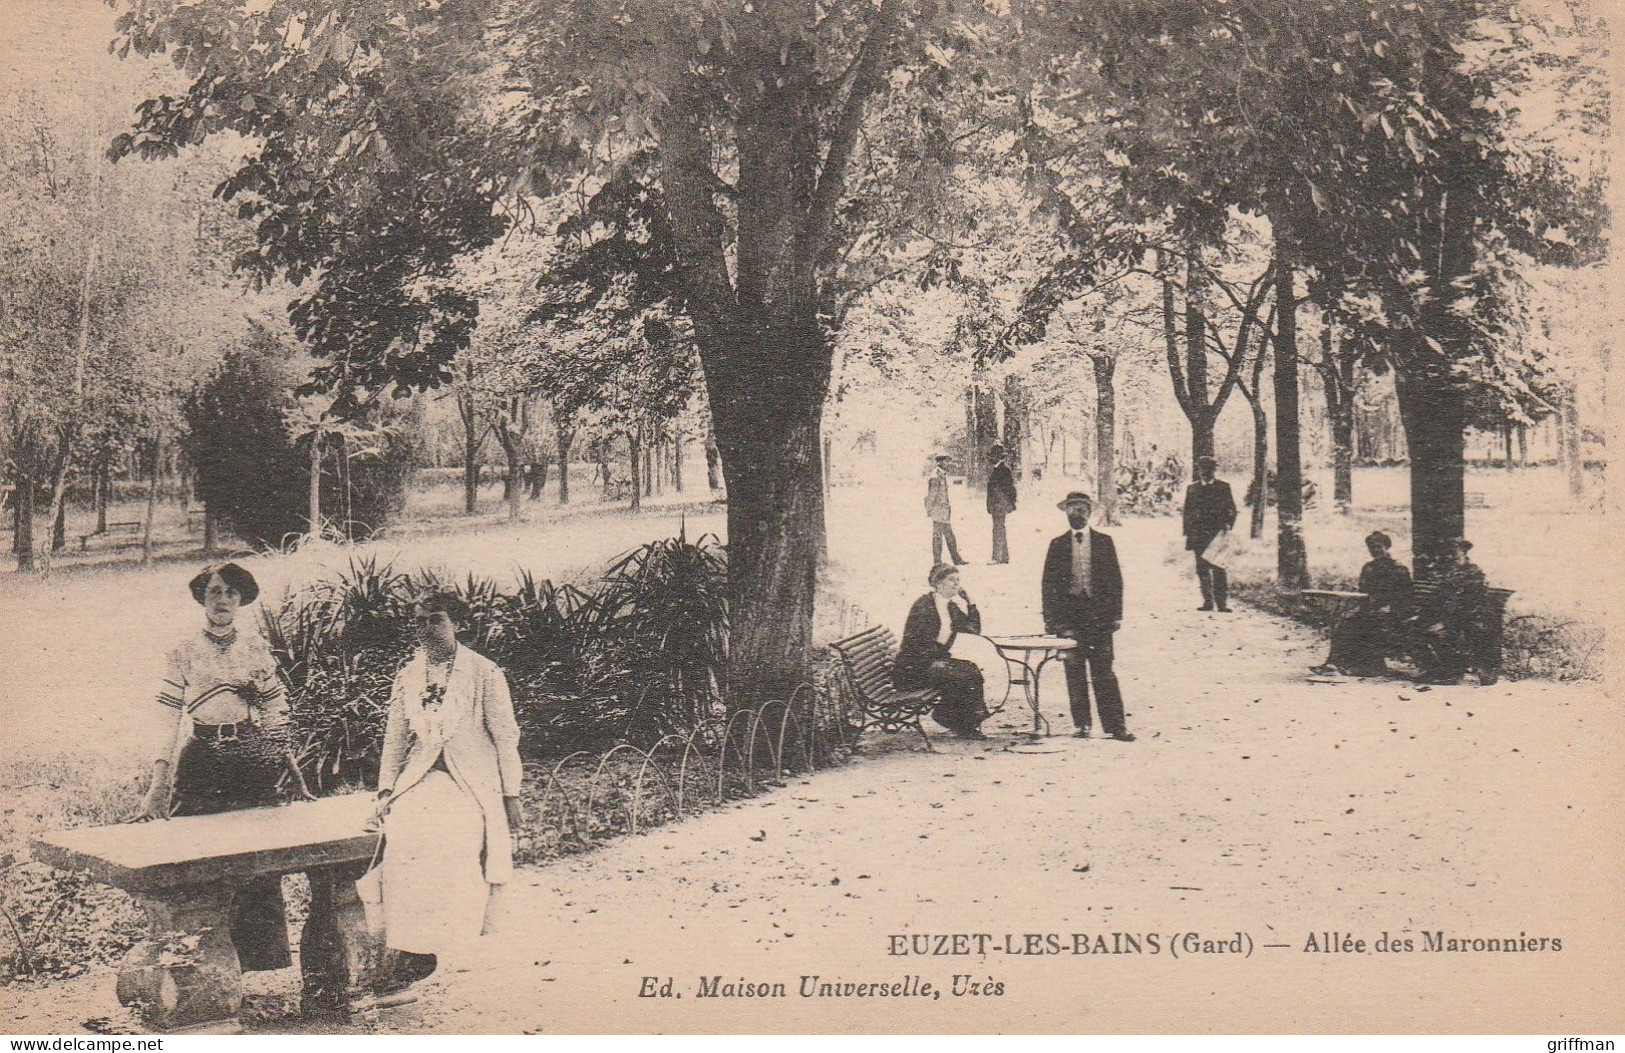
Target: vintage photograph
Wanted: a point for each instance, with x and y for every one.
(809, 517)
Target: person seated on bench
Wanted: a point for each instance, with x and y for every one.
(1456, 619)
(1362, 642)
(924, 657)
(225, 736)
(448, 794)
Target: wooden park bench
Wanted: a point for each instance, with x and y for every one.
(122, 535)
(865, 679)
(184, 872)
(1414, 641)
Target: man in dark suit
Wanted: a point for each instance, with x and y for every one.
(1083, 600)
(1210, 510)
(1001, 501)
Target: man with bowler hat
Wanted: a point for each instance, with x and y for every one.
(1210, 510)
(1083, 601)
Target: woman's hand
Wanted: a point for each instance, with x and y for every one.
(380, 808)
(155, 805)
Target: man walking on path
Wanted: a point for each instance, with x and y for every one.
(1210, 510)
(1083, 601)
(941, 512)
(1001, 501)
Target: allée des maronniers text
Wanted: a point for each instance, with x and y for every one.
(1176, 944)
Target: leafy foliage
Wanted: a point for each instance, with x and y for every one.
(641, 655)
(254, 475)
(248, 473)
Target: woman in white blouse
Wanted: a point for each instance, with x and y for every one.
(224, 734)
(448, 788)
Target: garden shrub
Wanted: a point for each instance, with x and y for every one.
(638, 656)
(1148, 488)
(255, 476)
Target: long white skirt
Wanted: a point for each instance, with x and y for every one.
(434, 886)
(969, 647)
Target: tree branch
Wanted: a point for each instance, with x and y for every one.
(832, 174)
(697, 225)
(1182, 391)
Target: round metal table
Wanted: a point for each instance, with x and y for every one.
(1025, 658)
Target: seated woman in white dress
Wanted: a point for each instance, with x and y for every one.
(448, 788)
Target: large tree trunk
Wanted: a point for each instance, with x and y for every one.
(1506, 443)
(1523, 445)
(211, 541)
(1434, 414)
(677, 462)
(1292, 558)
(768, 425)
(1106, 437)
(758, 321)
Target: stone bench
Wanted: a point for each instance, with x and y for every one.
(184, 872)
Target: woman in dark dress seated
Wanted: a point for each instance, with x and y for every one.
(924, 660)
(1363, 640)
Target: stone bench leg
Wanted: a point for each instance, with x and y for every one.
(338, 956)
(186, 973)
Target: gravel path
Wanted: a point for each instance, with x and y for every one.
(1253, 804)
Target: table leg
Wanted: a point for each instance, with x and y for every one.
(1040, 722)
(186, 972)
(1031, 686)
(338, 955)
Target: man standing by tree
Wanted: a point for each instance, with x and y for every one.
(938, 507)
(1210, 510)
(1083, 601)
(1001, 501)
